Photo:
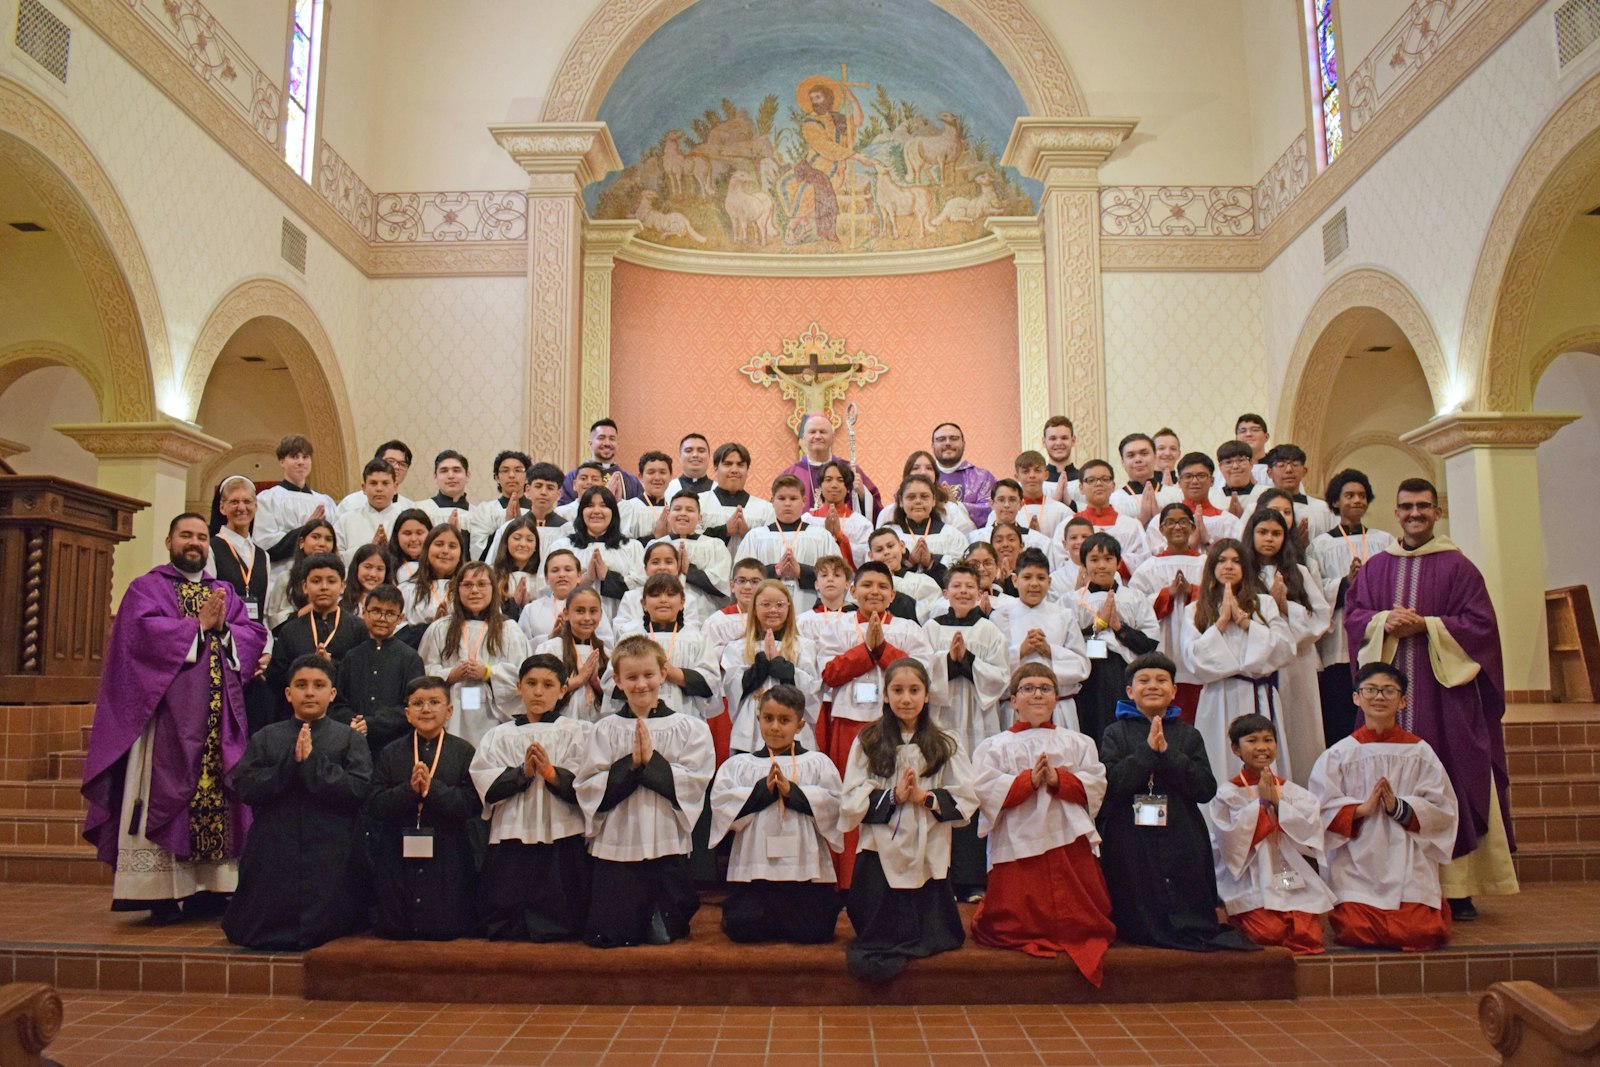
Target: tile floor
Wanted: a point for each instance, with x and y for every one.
(177, 1031)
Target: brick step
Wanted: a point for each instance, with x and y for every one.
(1553, 791)
(1520, 735)
(52, 865)
(1542, 761)
(43, 794)
(1566, 862)
(19, 826)
(1558, 825)
(68, 764)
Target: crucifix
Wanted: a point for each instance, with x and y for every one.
(814, 371)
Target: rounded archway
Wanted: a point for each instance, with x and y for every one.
(86, 251)
(35, 399)
(262, 367)
(1570, 381)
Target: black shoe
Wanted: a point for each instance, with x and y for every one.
(165, 913)
(205, 906)
(1461, 910)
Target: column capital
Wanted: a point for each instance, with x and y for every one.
(1022, 234)
(604, 238)
(1453, 433)
(580, 152)
(1064, 152)
(180, 442)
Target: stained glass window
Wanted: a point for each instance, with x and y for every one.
(300, 105)
(1325, 79)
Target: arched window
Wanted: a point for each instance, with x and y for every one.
(305, 76)
(1327, 101)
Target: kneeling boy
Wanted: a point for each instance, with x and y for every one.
(1262, 830)
(1389, 814)
(642, 785)
(781, 804)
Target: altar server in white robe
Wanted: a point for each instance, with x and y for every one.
(1096, 482)
(1005, 509)
(427, 591)
(398, 455)
(370, 522)
(790, 546)
(931, 544)
(915, 593)
(1118, 624)
(542, 496)
(644, 516)
(781, 804)
(906, 784)
(282, 509)
(477, 651)
(642, 788)
(953, 512)
(1389, 813)
(541, 617)
(772, 652)
(614, 563)
(1196, 473)
(535, 881)
(1041, 513)
(837, 508)
(1263, 831)
(1038, 631)
(1234, 641)
(1170, 579)
(704, 564)
(1286, 467)
(1271, 552)
(450, 503)
(487, 517)
(660, 557)
(693, 682)
(727, 510)
(585, 654)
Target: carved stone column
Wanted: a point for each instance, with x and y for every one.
(601, 242)
(1025, 237)
(1491, 468)
(148, 461)
(560, 158)
(1065, 154)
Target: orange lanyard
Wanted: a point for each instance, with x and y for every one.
(322, 645)
(436, 596)
(673, 644)
(476, 647)
(244, 570)
(793, 764)
(927, 527)
(782, 536)
(1347, 544)
(416, 758)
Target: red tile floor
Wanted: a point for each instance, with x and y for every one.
(176, 1031)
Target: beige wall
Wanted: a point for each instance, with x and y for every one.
(262, 29)
(353, 82)
(36, 402)
(1276, 79)
(1567, 483)
(1362, 24)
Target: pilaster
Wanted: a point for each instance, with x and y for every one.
(601, 241)
(1024, 236)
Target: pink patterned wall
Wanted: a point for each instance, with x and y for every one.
(949, 339)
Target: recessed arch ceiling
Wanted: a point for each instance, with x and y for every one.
(725, 148)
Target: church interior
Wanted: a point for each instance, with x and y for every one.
(487, 224)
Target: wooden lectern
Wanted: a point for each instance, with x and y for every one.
(56, 540)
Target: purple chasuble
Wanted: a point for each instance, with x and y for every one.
(970, 485)
(810, 475)
(1461, 723)
(144, 678)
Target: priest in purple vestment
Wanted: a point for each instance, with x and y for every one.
(169, 725)
(1422, 606)
(816, 437)
(967, 483)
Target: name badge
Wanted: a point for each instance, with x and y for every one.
(252, 608)
(783, 846)
(417, 845)
(1150, 809)
(1096, 648)
(472, 698)
(864, 692)
(1289, 878)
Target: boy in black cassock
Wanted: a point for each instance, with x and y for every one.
(305, 779)
(325, 629)
(424, 797)
(1155, 848)
(371, 677)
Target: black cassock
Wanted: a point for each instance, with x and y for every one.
(293, 639)
(425, 899)
(1163, 886)
(299, 881)
(372, 683)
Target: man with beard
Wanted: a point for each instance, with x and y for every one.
(967, 483)
(603, 450)
(169, 726)
(816, 437)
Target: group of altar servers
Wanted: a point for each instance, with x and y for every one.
(1100, 714)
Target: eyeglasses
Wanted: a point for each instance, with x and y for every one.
(1175, 523)
(1036, 690)
(748, 581)
(1376, 692)
(1100, 480)
(382, 613)
(1194, 476)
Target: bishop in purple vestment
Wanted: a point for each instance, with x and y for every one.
(169, 725)
(1421, 605)
(816, 437)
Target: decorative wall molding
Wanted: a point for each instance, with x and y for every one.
(451, 217)
(1024, 239)
(91, 218)
(27, 356)
(180, 442)
(1586, 339)
(1346, 308)
(615, 31)
(1536, 208)
(1157, 211)
(839, 265)
(1414, 39)
(1284, 181)
(1450, 434)
(602, 240)
(297, 334)
(195, 34)
(1210, 254)
(342, 187)
(1346, 447)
